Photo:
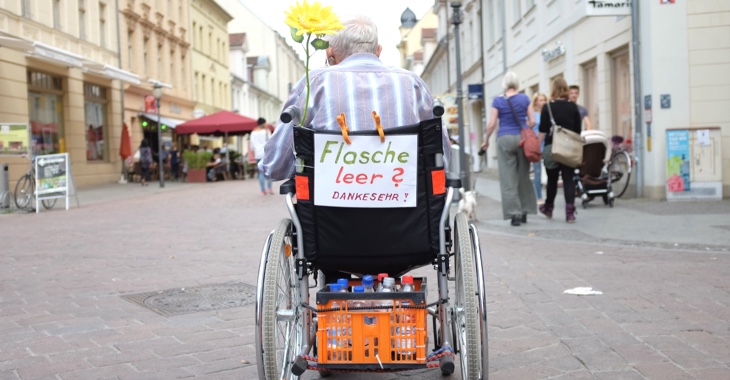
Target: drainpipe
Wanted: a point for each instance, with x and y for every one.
(121, 82)
(638, 135)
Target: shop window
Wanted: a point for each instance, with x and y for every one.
(45, 106)
(95, 122)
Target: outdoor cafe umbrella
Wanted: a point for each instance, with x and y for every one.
(221, 123)
(125, 147)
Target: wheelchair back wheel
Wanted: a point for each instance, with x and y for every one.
(282, 327)
(469, 313)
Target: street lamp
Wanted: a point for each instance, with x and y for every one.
(157, 92)
(464, 170)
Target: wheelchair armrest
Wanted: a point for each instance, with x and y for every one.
(453, 180)
(287, 187)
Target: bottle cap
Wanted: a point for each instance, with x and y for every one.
(389, 281)
(367, 280)
(381, 276)
(358, 289)
(406, 280)
(344, 283)
(334, 287)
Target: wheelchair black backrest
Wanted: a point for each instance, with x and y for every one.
(374, 240)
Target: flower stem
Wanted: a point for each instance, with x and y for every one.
(306, 70)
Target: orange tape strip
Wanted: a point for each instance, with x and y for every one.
(302, 185)
(438, 181)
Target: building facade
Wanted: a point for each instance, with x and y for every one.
(683, 70)
(156, 46)
(60, 74)
(210, 55)
(272, 66)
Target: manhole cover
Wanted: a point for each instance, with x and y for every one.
(198, 298)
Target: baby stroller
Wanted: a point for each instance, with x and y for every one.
(591, 178)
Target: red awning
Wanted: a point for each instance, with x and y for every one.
(219, 124)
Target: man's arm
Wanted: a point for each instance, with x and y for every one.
(587, 122)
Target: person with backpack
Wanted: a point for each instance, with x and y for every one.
(145, 161)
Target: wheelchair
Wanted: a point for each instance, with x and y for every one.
(293, 336)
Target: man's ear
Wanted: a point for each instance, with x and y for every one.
(329, 52)
(377, 52)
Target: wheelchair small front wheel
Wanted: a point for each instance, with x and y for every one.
(282, 331)
(469, 331)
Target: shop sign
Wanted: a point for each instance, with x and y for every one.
(14, 139)
(53, 178)
(608, 7)
(550, 54)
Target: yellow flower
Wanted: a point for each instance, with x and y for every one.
(313, 19)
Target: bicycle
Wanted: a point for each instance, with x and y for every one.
(620, 165)
(25, 190)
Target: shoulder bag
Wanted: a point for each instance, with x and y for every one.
(567, 146)
(530, 143)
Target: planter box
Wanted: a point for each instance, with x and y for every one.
(197, 175)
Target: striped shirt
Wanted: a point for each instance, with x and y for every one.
(357, 86)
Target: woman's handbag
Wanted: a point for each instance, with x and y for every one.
(567, 146)
(530, 143)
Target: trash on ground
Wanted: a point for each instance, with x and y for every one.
(583, 291)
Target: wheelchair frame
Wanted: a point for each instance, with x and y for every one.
(284, 316)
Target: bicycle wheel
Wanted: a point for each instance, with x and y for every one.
(24, 192)
(620, 169)
(49, 203)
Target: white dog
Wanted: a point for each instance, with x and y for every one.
(468, 203)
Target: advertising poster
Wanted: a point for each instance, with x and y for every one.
(51, 176)
(678, 160)
(14, 139)
(367, 173)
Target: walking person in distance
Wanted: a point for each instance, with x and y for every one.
(566, 114)
(514, 112)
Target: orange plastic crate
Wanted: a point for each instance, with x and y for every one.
(374, 339)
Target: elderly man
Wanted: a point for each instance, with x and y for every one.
(356, 83)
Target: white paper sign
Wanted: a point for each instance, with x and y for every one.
(367, 173)
(703, 137)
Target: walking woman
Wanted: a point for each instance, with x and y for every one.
(565, 113)
(145, 161)
(514, 112)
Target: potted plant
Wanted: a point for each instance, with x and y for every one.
(196, 164)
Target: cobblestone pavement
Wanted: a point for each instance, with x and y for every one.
(663, 314)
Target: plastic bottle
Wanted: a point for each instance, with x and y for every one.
(344, 285)
(367, 283)
(381, 276)
(406, 341)
(358, 302)
(333, 330)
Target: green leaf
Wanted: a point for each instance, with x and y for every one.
(294, 36)
(320, 44)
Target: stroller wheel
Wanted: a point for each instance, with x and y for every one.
(605, 199)
(584, 203)
(610, 202)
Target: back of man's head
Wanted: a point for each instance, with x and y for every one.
(359, 36)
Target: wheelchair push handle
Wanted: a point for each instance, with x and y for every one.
(291, 114)
(438, 108)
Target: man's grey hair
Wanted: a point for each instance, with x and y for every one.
(359, 36)
(511, 80)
